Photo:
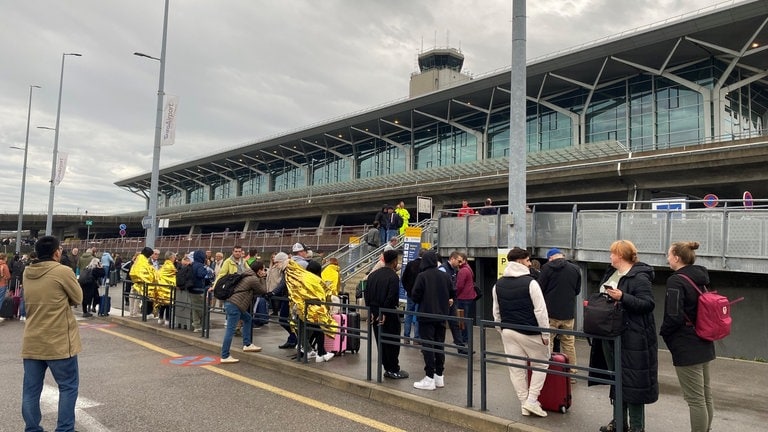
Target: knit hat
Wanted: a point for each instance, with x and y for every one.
(281, 257)
(553, 251)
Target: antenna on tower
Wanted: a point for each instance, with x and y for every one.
(435, 46)
(447, 38)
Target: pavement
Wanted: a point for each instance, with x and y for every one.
(740, 388)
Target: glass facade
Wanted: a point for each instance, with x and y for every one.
(643, 112)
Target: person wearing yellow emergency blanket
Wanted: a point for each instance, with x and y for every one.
(303, 285)
(166, 281)
(142, 273)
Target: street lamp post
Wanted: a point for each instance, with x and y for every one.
(151, 226)
(24, 174)
(49, 219)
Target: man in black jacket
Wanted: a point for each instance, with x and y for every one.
(434, 292)
(383, 291)
(560, 283)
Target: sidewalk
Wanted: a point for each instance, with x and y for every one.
(740, 387)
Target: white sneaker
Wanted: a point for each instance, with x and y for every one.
(229, 359)
(426, 383)
(324, 358)
(22, 318)
(160, 321)
(251, 348)
(312, 354)
(439, 381)
(2, 319)
(534, 409)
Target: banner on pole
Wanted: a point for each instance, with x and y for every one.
(169, 120)
(61, 168)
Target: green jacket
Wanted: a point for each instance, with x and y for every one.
(51, 331)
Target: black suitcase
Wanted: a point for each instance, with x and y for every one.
(353, 334)
(6, 309)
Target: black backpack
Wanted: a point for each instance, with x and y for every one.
(225, 286)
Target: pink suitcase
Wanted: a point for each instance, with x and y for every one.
(338, 344)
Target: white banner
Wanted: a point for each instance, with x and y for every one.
(168, 136)
(61, 168)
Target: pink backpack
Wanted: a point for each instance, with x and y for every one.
(713, 315)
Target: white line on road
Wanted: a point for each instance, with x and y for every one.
(49, 404)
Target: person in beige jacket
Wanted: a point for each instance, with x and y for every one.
(51, 336)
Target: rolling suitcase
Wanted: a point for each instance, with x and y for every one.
(338, 344)
(105, 302)
(6, 308)
(556, 394)
(353, 338)
(17, 302)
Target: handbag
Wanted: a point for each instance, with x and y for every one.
(603, 316)
(478, 292)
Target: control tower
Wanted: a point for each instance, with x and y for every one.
(439, 68)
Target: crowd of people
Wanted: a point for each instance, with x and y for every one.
(297, 284)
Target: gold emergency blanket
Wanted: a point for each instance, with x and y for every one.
(304, 285)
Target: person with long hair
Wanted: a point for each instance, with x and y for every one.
(691, 355)
(628, 281)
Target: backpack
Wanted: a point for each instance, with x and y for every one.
(86, 277)
(225, 286)
(713, 313)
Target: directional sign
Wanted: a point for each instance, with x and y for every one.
(88, 222)
(192, 361)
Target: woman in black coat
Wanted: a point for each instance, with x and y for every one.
(629, 282)
(691, 355)
(89, 283)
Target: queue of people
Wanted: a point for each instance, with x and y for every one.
(435, 287)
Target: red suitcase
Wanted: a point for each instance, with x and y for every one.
(338, 344)
(556, 394)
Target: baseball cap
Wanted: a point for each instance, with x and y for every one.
(298, 247)
(553, 251)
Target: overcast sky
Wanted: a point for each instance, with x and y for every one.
(242, 69)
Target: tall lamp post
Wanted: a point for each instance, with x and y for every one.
(24, 174)
(49, 219)
(151, 220)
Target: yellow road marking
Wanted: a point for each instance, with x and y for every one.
(270, 388)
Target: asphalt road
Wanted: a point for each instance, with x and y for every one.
(137, 381)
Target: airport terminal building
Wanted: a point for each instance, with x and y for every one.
(675, 108)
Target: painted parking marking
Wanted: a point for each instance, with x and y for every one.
(269, 388)
(192, 361)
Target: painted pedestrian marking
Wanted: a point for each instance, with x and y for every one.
(96, 325)
(192, 361)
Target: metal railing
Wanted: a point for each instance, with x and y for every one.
(732, 237)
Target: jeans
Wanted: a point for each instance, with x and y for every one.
(66, 374)
(234, 314)
(468, 306)
(410, 320)
(3, 290)
(391, 233)
(382, 235)
(285, 322)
